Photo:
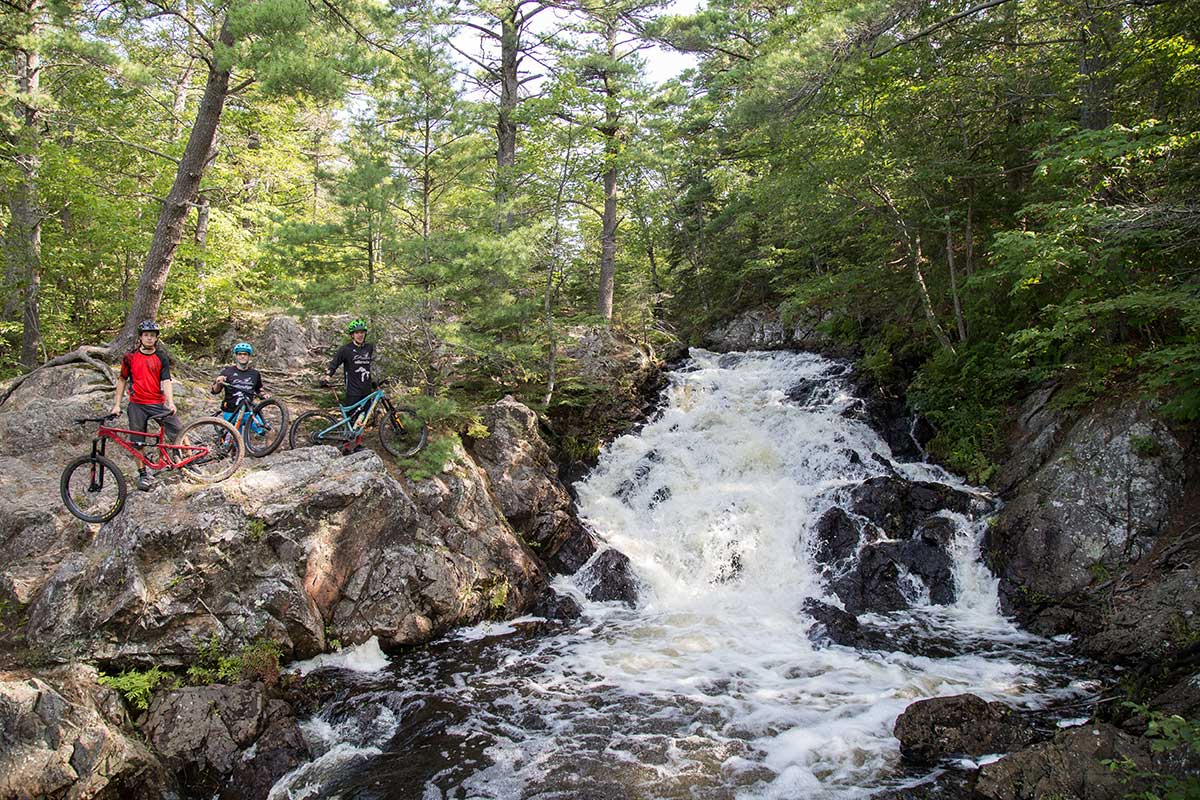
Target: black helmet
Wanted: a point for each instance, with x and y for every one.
(148, 325)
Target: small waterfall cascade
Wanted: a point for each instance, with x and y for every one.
(758, 493)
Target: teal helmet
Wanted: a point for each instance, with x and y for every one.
(357, 325)
(243, 347)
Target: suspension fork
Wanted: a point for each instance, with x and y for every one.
(96, 482)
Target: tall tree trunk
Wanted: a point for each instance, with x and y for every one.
(958, 314)
(552, 264)
(608, 227)
(23, 238)
(506, 123)
(916, 257)
(169, 230)
(1095, 57)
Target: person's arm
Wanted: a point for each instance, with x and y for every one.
(218, 385)
(258, 386)
(164, 381)
(338, 359)
(116, 406)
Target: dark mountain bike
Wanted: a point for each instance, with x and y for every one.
(93, 488)
(401, 431)
(263, 425)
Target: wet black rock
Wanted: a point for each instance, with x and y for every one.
(613, 578)
(964, 724)
(898, 506)
(806, 391)
(840, 627)
(203, 733)
(635, 482)
(661, 495)
(873, 584)
(556, 607)
(837, 536)
(574, 553)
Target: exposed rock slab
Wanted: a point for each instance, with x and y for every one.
(1072, 765)
(523, 478)
(63, 735)
(963, 724)
(297, 547)
(232, 742)
(1095, 505)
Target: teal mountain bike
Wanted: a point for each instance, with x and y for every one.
(401, 431)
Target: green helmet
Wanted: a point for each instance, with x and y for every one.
(357, 325)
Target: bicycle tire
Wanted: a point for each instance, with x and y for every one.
(109, 472)
(278, 424)
(227, 452)
(402, 432)
(307, 426)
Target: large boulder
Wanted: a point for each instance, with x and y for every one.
(1097, 503)
(63, 735)
(963, 724)
(229, 742)
(299, 548)
(890, 546)
(523, 477)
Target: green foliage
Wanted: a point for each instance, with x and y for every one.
(138, 686)
(257, 661)
(1166, 733)
(441, 451)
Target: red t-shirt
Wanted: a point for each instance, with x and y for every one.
(147, 373)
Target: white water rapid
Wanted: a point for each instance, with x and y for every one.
(710, 687)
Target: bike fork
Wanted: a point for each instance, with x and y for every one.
(97, 480)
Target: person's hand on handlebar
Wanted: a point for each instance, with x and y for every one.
(325, 382)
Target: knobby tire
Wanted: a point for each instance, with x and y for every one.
(108, 473)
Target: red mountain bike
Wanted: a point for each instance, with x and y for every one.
(93, 488)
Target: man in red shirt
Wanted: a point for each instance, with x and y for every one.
(147, 368)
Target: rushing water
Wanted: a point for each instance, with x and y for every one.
(711, 687)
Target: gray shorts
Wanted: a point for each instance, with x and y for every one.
(139, 417)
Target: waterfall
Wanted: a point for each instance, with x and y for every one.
(711, 687)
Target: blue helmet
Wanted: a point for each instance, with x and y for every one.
(243, 347)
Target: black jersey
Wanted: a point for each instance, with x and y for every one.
(356, 361)
(240, 385)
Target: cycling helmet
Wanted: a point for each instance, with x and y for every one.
(148, 325)
(357, 325)
(243, 347)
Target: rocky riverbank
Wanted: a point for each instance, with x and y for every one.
(300, 553)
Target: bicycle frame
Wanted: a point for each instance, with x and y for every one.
(237, 418)
(347, 421)
(164, 450)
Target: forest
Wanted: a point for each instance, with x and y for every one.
(980, 197)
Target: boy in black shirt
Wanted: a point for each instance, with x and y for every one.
(240, 382)
(354, 357)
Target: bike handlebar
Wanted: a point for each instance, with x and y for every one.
(105, 418)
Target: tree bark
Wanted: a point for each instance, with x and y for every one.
(506, 124)
(23, 238)
(612, 149)
(958, 314)
(169, 231)
(1095, 57)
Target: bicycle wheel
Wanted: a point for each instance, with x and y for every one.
(402, 433)
(306, 430)
(93, 489)
(266, 427)
(224, 446)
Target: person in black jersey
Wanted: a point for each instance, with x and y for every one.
(239, 381)
(354, 357)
